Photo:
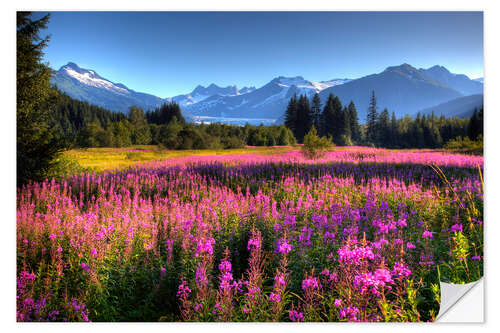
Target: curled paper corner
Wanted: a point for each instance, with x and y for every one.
(462, 303)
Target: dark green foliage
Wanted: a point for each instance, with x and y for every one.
(316, 112)
(38, 144)
(165, 113)
(354, 123)
(371, 120)
(425, 131)
(291, 113)
(475, 127)
(314, 146)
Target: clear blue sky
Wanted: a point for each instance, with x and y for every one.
(169, 53)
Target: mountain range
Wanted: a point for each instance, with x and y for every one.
(403, 89)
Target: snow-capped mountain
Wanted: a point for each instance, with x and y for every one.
(201, 93)
(402, 89)
(87, 85)
(479, 79)
(267, 102)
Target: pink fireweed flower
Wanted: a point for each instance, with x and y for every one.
(329, 236)
(225, 266)
(163, 271)
(279, 281)
(295, 316)
(355, 255)
(84, 266)
(254, 244)
(401, 270)
(276, 298)
(478, 258)
(311, 284)
(456, 228)
(183, 291)
(52, 236)
(383, 275)
(305, 236)
(427, 234)
(93, 252)
(349, 313)
(205, 246)
(226, 281)
(283, 246)
(410, 246)
(337, 302)
(401, 223)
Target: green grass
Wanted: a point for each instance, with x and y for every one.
(100, 159)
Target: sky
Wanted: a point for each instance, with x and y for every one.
(170, 53)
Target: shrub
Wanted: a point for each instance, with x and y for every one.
(465, 143)
(314, 146)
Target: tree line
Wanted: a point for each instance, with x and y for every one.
(83, 125)
(341, 124)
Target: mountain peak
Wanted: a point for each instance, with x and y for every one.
(404, 68)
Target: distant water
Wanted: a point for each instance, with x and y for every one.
(234, 121)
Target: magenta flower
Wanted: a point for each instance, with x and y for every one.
(311, 284)
(427, 234)
(274, 297)
(295, 316)
(283, 246)
(254, 244)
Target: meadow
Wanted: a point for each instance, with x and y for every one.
(258, 234)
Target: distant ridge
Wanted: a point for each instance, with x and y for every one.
(403, 89)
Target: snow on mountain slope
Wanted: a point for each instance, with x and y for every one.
(268, 101)
(87, 85)
(90, 78)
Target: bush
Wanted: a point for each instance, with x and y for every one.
(465, 143)
(314, 146)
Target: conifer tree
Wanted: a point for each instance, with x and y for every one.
(303, 121)
(291, 114)
(371, 120)
(328, 117)
(37, 146)
(383, 129)
(354, 123)
(316, 111)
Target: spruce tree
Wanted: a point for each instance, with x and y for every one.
(354, 123)
(384, 129)
(328, 117)
(303, 121)
(291, 114)
(371, 120)
(394, 131)
(316, 111)
(37, 146)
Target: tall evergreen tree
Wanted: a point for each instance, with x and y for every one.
(371, 120)
(328, 117)
(354, 123)
(316, 111)
(291, 114)
(141, 133)
(384, 129)
(37, 146)
(303, 121)
(394, 131)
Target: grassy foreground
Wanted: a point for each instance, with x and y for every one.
(100, 159)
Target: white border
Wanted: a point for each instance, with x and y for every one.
(7, 199)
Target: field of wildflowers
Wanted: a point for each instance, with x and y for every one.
(362, 234)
